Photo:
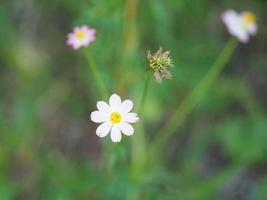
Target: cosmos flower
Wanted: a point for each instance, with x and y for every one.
(241, 25)
(114, 117)
(81, 37)
(159, 63)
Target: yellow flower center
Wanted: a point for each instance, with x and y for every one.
(115, 117)
(249, 18)
(80, 35)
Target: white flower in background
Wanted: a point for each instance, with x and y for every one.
(241, 25)
(115, 117)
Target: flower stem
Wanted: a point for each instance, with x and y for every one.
(99, 81)
(104, 94)
(138, 141)
(197, 93)
(143, 99)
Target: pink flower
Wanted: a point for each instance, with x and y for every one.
(81, 37)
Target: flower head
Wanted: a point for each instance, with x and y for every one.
(81, 37)
(159, 63)
(241, 25)
(115, 117)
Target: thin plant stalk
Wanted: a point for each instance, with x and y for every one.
(104, 93)
(96, 74)
(138, 141)
(143, 100)
(193, 98)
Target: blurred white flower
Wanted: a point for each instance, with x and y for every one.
(114, 116)
(241, 25)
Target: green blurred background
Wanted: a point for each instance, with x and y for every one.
(48, 146)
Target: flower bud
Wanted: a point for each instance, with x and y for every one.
(159, 63)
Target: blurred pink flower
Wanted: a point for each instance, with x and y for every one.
(81, 37)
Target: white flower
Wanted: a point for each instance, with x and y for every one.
(241, 25)
(114, 116)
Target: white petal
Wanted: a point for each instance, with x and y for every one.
(126, 106)
(130, 117)
(115, 133)
(103, 129)
(103, 107)
(242, 36)
(235, 25)
(252, 28)
(126, 128)
(229, 13)
(115, 102)
(98, 117)
(229, 17)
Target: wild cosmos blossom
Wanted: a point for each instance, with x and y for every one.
(81, 37)
(241, 25)
(159, 63)
(114, 117)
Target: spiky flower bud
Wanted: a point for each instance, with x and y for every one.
(159, 63)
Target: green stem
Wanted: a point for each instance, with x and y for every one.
(143, 99)
(193, 98)
(138, 140)
(104, 94)
(99, 81)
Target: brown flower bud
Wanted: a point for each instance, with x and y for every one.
(159, 63)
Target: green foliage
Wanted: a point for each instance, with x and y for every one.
(244, 140)
(48, 146)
